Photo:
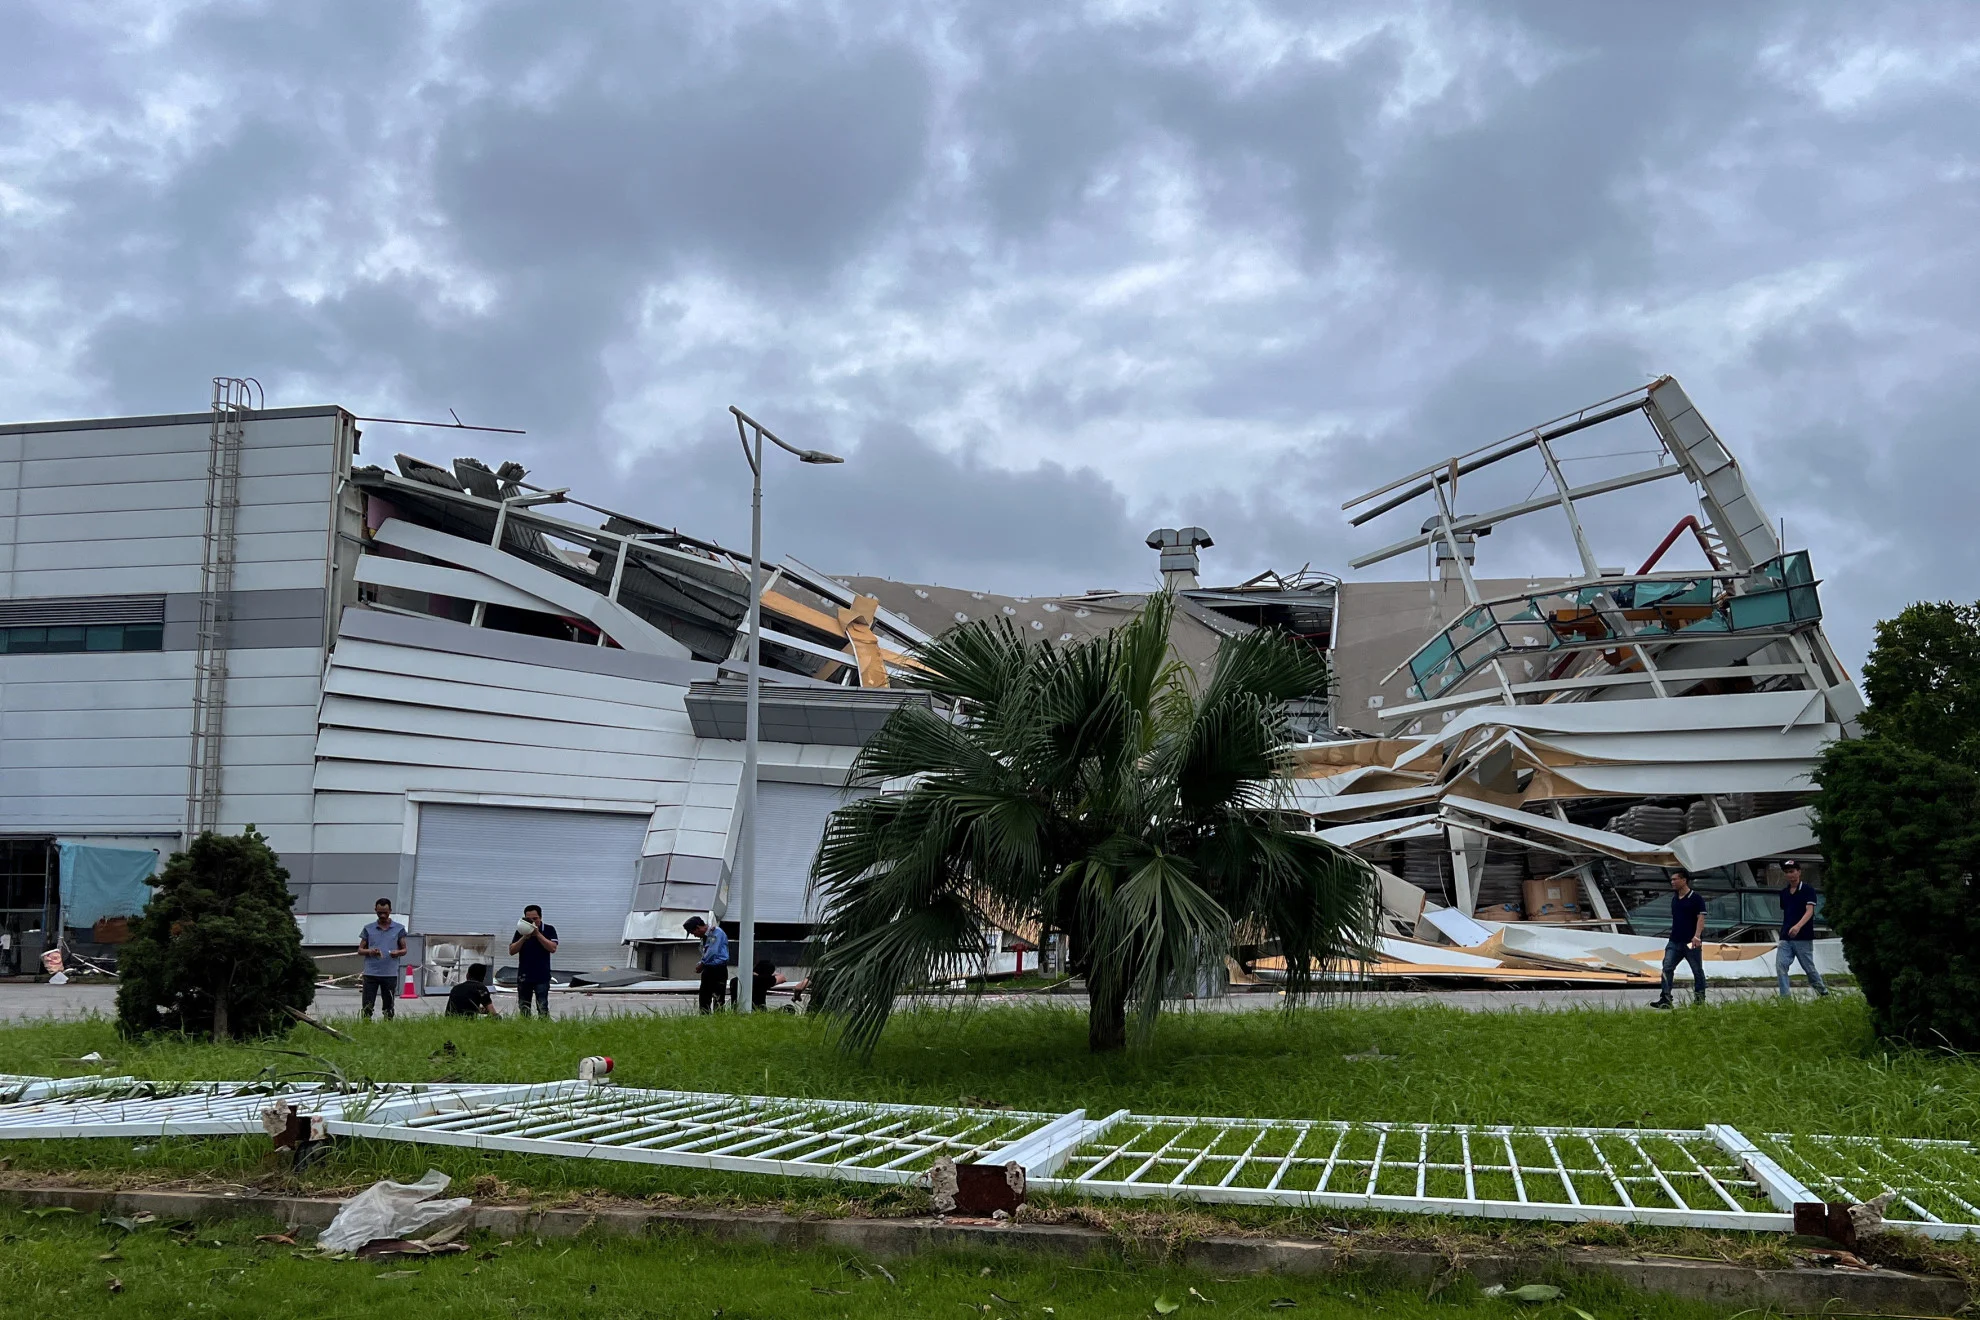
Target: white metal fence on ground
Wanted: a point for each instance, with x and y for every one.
(1713, 1177)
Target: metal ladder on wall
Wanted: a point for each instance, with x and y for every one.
(233, 398)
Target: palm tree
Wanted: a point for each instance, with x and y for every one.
(1088, 788)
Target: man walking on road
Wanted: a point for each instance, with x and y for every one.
(714, 964)
(532, 947)
(1797, 931)
(1687, 938)
(383, 944)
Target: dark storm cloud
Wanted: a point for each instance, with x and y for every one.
(1048, 276)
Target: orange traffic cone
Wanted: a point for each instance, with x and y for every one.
(410, 990)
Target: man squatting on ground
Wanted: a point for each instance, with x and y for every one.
(383, 944)
(1797, 930)
(1686, 941)
(714, 963)
(470, 998)
(532, 947)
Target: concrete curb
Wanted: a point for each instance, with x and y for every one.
(1795, 1291)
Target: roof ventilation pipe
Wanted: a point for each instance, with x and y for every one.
(1467, 545)
(1178, 548)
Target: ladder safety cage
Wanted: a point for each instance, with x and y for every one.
(233, 399)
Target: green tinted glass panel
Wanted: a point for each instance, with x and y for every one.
(1804, 604)
(1762, 609)
(1425, 662)
(144, 637)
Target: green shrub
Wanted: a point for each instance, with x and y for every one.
(217, 950)
(1896, 818)
(1900, 830)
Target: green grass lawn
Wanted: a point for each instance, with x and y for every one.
(67, 1264)
(1806, 1066)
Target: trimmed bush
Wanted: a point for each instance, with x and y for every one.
(217, 951)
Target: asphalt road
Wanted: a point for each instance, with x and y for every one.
(25, 1003)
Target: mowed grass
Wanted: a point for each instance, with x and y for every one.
(1805, 1066)
(73, 1265)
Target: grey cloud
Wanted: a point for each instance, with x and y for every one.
(930, 236)
(776, 158)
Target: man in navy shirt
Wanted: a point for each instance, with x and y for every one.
(532, 946)
(1797, 930)
(383, 944)
(714, 962)
(1687, 937)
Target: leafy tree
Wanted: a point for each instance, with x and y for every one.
(1898, 819)
(1089, 789)
(217, 950)
(1922, 680)
(1900, 831)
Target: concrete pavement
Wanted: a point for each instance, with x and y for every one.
(28, 1002)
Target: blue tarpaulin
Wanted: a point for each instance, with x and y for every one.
(104, 882)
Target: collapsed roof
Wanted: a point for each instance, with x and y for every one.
(623, 582)
(1654, 720)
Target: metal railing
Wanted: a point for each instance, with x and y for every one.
(1713, 1177)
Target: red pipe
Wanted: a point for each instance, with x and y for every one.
(1686, 523)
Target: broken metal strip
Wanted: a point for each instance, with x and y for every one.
(1473, 522)
(1518, 442)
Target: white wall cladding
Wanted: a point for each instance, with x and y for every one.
(423, 713)
(455, 723)
(97, 511)
(95, 744)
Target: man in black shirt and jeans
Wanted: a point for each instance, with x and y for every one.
(1687, 937)
(532, 947)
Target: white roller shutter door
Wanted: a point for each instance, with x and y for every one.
(478, 867)
(790, 822)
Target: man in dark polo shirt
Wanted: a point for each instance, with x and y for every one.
(1797, 930)
(534, 943)
(1686, 940)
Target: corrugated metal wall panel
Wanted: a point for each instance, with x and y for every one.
(376, 685)
(186, 493)
(377, 777)
(360, 809)
(477, 725)
(790, 822)
(495, 752)
(478, 866)
(419, 663)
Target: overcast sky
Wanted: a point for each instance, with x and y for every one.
(1049, 275)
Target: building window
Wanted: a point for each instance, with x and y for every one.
(66, 638)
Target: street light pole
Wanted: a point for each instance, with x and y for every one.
(748, 429)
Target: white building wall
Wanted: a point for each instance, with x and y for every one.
(417, 711)
(95, 745)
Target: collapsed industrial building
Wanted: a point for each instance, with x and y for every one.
(455, 687)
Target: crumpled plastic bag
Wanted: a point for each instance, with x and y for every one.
(389, 1209)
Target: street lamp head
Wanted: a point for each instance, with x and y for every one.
(819, 456)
